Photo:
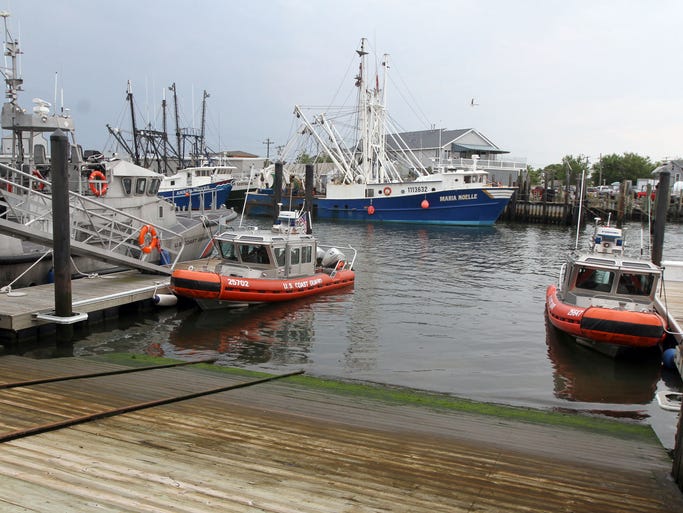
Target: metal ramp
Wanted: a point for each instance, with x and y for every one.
(80, 248)
(97, 230)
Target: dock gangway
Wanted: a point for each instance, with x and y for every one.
(98, 230)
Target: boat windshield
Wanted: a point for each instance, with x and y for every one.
(254, 253)
(228, 250)
(594, 279)
(601, 280)
(635, 284)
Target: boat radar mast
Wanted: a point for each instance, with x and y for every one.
(26, 127)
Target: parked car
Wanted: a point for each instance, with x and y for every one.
(606, 191)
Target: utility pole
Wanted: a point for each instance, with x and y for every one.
(268, 142)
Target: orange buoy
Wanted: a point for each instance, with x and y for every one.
(424, 204)
(38, 185)
(98, 189)
(142, 239)
(371, 210)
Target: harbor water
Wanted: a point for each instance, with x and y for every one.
(458, 310)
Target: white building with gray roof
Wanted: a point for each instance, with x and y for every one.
(457, 148)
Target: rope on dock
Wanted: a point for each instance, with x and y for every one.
(23, 433)
(98, 374)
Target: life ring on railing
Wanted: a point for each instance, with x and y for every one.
(98, 189)
(39, 186)
(340, 265)
(387, 191)
(142, 239)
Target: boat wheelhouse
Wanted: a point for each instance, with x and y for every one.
(607, 300)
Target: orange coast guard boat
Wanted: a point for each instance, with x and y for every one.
(605, 300)
(253, 266)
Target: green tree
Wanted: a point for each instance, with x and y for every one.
(304, 158)
(575, 167)
(567, 172)
(534, 175)
(617, 168)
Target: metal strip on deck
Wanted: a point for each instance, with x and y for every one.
(282, 447)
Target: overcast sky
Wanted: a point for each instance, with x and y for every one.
(551, 78)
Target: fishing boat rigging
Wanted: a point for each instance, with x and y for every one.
(373, 175)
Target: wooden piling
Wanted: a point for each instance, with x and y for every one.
(61, 232)
(277, 189)
(662, 203)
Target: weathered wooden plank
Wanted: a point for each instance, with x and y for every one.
(289, 448)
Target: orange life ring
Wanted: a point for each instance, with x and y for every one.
(142, 239)
(387, 191)
(340, 265)
(38, 185)
(98, 189)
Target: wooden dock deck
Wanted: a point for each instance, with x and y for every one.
(288, 446)
(19, 308)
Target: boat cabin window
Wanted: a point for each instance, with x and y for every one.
(280, 256)
(635, 284)
(594, 279)
(227, 250)
(254, 253)
(295, 256)
(140, 186)
(127, 185)
(306, 254)
(153, 187)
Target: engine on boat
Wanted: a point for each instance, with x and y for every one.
(330, 257)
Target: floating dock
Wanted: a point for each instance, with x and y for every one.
(670, 304)
(303, 445)
(32, 307)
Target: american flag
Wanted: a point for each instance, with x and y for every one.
(302, 222)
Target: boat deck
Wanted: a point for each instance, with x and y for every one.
(285, 446)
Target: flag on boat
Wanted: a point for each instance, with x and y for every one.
(302, 222)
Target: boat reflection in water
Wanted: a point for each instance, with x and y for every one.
(279, 334)
(582, 374)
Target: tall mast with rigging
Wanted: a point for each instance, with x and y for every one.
(177, 126)
(136, 151)
(202, 143)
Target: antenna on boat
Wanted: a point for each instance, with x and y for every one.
(246, 194)
(578, 219)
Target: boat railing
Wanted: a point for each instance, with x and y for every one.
(485, 164)
(348, 262)
(93, 222)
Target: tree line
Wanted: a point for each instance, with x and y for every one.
(609, 169)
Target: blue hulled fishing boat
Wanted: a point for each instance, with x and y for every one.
(372, 175)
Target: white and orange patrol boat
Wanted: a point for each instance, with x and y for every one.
(607, 300)
(253, 266)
